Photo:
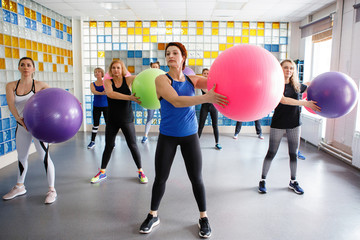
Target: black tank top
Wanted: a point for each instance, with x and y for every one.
(120, 110)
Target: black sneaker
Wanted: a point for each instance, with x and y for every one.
(262, 188)
(149, 223)
(204, 228)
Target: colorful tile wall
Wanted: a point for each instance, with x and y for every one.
(138, 43)
(30, 29)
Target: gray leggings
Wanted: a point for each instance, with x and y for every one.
(293, 136)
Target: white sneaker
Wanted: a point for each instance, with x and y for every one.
(50, 197)
(235, 136)
(14, 192)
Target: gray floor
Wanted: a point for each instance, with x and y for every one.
(114, 209)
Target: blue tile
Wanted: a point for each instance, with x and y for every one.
(14, 18)
(3, 101)
(88, 98)
(283, 40)
(13, 145)
(27, 22)
(131, 54)
(1, 137)
(0, 124)
(138, 54)
(65, 28)
(20, 9)
(33, 25)
(69, 38)
(268, 47)
(44, 29)
(0, 112)
(275, 48)
(5, 123)
(53, 23)
(13, 133)
(108, 38)
(2, 150)
(61, 35)
(100, 38)
(38, 16)
(146, 61)
(8, 147)
(49, 30)
(153, 59)
(6, 16)
(123, 46)
(7, 135)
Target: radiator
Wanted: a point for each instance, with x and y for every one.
(356, 149)
(311, 129)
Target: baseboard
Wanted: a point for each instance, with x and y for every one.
(11, 157)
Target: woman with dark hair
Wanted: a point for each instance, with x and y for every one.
(17, 94)
(120, 116)
(286, 119)
(204, 110)
(178, 127)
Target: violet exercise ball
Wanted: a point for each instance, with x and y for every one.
(335, 93)
(252, 80)
(53, 115)
(188, 71)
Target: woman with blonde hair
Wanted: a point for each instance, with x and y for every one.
(286, 119)
(120, 116)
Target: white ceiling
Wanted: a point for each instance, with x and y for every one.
(214, 10)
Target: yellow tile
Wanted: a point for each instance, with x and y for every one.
(168, 31)
(48, 21)
(62, 60)
(184, 24)
(260, 24)
(70, 30)
(66, 68)
(199, 62)
(57, 25)
(215, 31)
(199, 24)
(191, 62)
(123, 24)
(43, 19)
(62, 51)
(49, 58)
(237, 39)
(2, 63)
(53, 49)
(199, 31)
(138, 31)
(168, 24)
(154, 39)
(131, 69)
(92, 24)
(5, 4)
(138, 24)
(206, 54)
(29, 54)
(214, 54)
(146, 31)
(260, 32)
(276, 25)
(54, 68)
(245, 24)
(245, 32)
(252, 32)
(61, 27)
(153, 24)
(57, 51)
(7, 40)
(184, 31)
(28, 44)
(1, 39)
(41, 66)
(58, 59)
(8, 53)
(222, 47)
(16, 53)
(101, 54)
(215, 24)
(33, 14)
(131, 31)
(229, 45)
(14, 42)
(13, 6)
(245, 40)
(146, 39)
(45, 57)
(230, 24)
(35, 56)
(107, 24)
(39, 47)
(27, 12)
(34, 46)
(22, 43)
(44, 48)
(230, 39)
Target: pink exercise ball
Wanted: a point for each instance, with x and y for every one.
(251, 78)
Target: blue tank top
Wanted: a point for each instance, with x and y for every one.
(178, 122)
(100, 100)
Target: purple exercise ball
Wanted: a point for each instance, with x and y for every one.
(335, 93)
(188, 71)
(53, 115)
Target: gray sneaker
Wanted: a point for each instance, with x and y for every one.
(14, 192)
(50, 197)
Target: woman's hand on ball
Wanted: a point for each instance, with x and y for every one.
(313, 106)
(134, 98)
(217, 98)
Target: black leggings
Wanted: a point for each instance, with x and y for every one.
(205, 109)
(97, 114)
(164, 157)
(111, 131)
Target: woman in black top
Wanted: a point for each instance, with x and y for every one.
(120, 116)
(286, 119)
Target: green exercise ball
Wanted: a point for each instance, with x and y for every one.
(144, 87)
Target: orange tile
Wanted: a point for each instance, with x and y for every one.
(33, 14)
(41, 66)
(62, 60)
(34, 46)
(27, 12)
(66, 68)
(2, 63)
(35, 56)
(54, 68)
(45, 57)
(276, 25)
(53, 50)
(5, 4)
(57, 25)
(29, 54)
(22, 43)
(44, 48)
(8, 53)
(1, 39)
(28, 44)
(123, 24)
(7, 40)
(39, 47)
(58, 59)
(15, 41)
(13, 6)
(260, 25)
(49, 58)
(131, 69)
(43, 19)
(161, 46)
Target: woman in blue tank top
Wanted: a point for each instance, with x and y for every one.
(178, 127)
(100, 104)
